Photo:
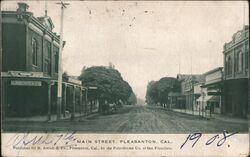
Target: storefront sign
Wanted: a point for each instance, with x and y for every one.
(75, 81)
(26, 83)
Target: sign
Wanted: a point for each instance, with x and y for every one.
(22, 74)
(26, 83)
(75, 81)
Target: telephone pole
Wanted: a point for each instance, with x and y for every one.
(59, 85)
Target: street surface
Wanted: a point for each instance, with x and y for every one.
(132, 119)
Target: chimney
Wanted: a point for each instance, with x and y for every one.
(23, 7)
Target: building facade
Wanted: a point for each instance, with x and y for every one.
(211, 92)
(30, 68)
(187, 89)
(236, 75)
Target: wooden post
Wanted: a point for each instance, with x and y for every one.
(49, 101)
(74, 104)
(64, 100)
(86, 101)
(80, 100)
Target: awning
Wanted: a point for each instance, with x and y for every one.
(209, 98)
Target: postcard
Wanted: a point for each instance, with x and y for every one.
(124, 78)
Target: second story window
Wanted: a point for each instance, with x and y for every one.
(49, 52)
(240, 61)
(229, 66)
(56, 61)
(34, 52)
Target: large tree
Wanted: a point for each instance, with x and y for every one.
(157, 91)
(109, 82)
(132, 100)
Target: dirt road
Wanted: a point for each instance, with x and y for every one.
(135, 119)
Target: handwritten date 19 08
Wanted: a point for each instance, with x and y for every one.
(220, 140)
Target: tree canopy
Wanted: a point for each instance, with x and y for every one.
(109, 82)
(132, 100)
(157, 91)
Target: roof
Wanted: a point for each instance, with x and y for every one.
(22, 13)
(195, 77)
(213, 70)
(182, 77)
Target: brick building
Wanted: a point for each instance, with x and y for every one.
(30, 67)
(236, 75)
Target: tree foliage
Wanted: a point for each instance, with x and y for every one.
(109, 82)
(132, 100)
(157, 91)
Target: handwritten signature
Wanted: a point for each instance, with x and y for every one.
(27, 139)
(196, 136)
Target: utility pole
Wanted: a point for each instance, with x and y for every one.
(46, 9)
(59, 85)
(192, 86)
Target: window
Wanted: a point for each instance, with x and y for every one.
(49, 52)
(229, 66)
(239, 61)
(242, 60)
(56, 61)
(34, 52)
(49, 60)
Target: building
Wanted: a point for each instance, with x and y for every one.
(211, 92)
(186, 97)
(236, 75)
(187, 88)
(30, 68)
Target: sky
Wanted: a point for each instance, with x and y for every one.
(145, 40)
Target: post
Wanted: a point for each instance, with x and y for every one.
(86, 99)
(59, 85)
(192, 100)
(80, 100)
(199, 108)
(74, 103)
(210, 111)
(49, 101)
(64, 100)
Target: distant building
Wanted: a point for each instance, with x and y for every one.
(30, 67)
(185, 99)
(211, 92)
(187, 88)
(236, 75)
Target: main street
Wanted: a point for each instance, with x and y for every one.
(133, 119)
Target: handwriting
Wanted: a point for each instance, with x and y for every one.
(27, 139)
(196, 136)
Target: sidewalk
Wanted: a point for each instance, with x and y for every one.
(44, 118)
(213, 116)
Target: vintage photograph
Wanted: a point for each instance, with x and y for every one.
(130, 67)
